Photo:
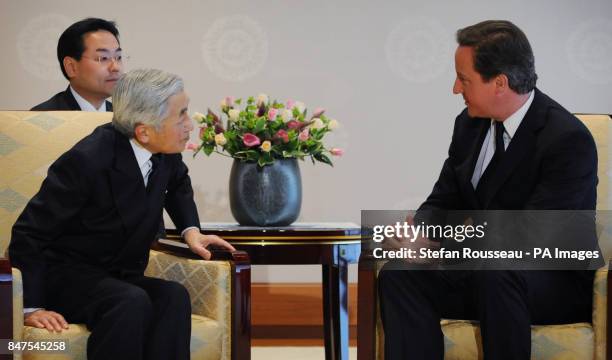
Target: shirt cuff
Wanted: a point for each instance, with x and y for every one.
(187, 229)
(29, 310)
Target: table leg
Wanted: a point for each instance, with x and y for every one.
(335, 311)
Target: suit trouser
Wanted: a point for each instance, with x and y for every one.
(505, 303)
(130, 318)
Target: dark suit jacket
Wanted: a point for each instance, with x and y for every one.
(550, 164)
(93, 213)
(64, 101)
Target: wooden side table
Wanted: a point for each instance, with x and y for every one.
(331, 245)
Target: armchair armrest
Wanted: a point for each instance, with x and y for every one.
(11, 312)
(601, 315)
(237, 280)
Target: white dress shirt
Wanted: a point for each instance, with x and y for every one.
(86, 105)
(143, 157)
(511, 124)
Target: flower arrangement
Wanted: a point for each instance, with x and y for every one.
(263, 131)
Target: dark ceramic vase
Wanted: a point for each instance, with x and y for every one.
(265, 196)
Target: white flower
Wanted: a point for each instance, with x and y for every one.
(317, 123)
(300, 106)
(220, 139)
(262, 98)
(287, 115)
(266, 146)
(333, 124)
(197, 116)
(233, 114)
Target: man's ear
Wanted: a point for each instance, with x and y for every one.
(141, 133)
(501, 84)
(71, 66)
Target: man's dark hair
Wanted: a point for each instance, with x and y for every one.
(71, 42)
(500, 47)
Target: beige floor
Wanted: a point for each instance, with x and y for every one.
(293, 353)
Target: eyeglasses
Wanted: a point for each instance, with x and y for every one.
(106, 60)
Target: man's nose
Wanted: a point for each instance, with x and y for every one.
(457, 87)
(116, 65)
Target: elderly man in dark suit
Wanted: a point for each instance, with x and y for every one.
(513, 148)
(91, 59)
(82, 242)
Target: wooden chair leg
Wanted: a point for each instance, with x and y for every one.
(367, 304)
(6, 299)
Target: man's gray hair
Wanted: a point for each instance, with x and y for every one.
(141, 97)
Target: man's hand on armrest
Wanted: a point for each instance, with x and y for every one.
(198, 242)
(44, 319)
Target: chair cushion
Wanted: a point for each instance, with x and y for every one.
(205, 341)
(572, 341)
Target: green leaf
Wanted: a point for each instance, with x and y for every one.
(323, 158)
(208, 149)
(260, 125)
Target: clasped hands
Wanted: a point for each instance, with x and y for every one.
(413, 246)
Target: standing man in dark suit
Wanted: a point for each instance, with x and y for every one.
(91, 59)
(82, 242)
(513, 148)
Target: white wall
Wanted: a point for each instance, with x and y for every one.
(383, 69)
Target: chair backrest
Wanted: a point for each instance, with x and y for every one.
(29, 142)
(601, 128)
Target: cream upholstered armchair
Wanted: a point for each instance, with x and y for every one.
(462, 339)
(219, 290)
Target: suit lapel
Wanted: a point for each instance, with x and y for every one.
(522, 143)
(127, 185)
(71, 102)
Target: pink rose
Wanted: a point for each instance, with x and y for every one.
(318, 112)
(227, 102)
(293, 124)
(272, 114)
(304, 135)
(202, 131)
(290, 104)
(282, 135)
(336, 151)
(250, 140)
(191, 146)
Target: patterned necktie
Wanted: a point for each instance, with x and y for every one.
(154, 162)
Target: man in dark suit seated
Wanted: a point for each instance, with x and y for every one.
(91, 59)
(82, 242)
(513, 148)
